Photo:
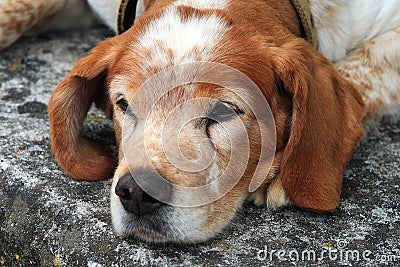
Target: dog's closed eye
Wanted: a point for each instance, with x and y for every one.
(221, 112)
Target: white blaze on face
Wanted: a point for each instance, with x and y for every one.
(172, 40)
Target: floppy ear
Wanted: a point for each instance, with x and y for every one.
(80, 158)
(326, 126)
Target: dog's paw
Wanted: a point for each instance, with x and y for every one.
(274, 196)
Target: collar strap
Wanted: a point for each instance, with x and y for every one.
(126, 15)
(303, 11)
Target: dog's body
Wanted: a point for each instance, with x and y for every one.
(318, 114)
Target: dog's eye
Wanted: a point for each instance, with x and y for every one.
(122, 104)
(222, 111)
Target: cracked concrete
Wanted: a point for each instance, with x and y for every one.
(48, 219)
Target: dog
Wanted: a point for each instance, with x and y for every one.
(324, 71)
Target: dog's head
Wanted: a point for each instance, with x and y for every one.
(182, 115)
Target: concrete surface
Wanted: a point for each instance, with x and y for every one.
(47, 219)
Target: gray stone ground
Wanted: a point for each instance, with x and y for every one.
(47, 219)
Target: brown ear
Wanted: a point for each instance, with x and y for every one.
(326, 126)
(68, 106)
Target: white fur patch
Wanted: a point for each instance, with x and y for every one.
(375, 68)
(171, 40)
(118, 213)
(343, 25)
(206, 4)
(213, 174)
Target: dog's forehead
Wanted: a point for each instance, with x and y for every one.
(160, 40)
(174, 35)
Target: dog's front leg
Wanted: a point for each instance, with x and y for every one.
(273, 196)
(271, 193)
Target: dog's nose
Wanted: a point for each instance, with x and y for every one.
(133, 198)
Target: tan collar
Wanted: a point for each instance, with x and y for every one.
(302, 8)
